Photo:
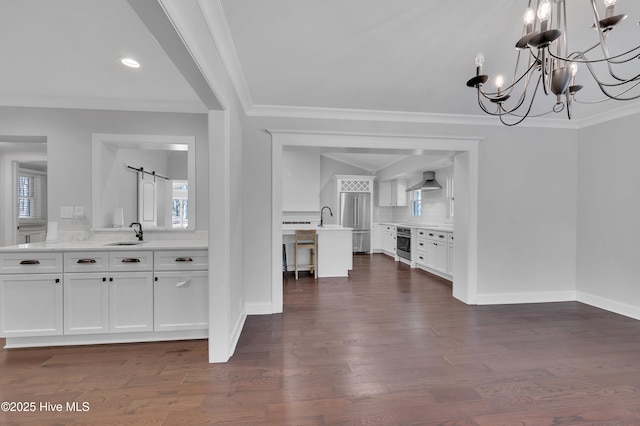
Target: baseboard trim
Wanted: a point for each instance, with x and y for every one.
(609, 305)
(258, 308)
(237, 330)
(531, 297)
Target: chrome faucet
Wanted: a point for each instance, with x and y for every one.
(139, 231)
(322, 211)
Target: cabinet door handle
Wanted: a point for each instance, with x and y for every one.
(440, 236)
(431, 235)
(30, 262)
(184, 283)
(421, 244)
(86, 261)
(130, 260)
(184, 259)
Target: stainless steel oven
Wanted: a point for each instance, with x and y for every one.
(403, 247)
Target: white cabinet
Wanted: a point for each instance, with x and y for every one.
(392, 193)
(376, 238)
(437, 251)
(420, 254)
(30, 305)
(180, 301)
(97, 300)
(30, 294)
(181, 286)
(86, 303)
(434, 252)
(389, 243)
(450, 256)
(130, 301)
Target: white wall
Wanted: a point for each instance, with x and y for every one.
(68, 134)
(527, 216)
(300, 181)
(608, 245)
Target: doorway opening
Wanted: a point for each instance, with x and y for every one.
(465, 175)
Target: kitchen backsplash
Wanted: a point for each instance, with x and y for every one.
(435, 205)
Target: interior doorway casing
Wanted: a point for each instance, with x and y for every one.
(466, 220)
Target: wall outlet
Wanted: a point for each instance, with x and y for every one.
(78, 211)
(66, 212)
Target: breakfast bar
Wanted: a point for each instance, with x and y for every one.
(334, 248)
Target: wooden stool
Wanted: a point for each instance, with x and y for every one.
(307, 239)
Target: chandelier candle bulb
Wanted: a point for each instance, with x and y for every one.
(544, 13)
(529, 19)
(499, 83)
(610, 5)
(479, 63)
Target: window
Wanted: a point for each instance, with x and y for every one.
(180, 204)
(32, 196)
(416, 203)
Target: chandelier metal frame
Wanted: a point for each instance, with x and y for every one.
(551, 67)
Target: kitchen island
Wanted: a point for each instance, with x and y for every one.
(335, 257)
(89, 292)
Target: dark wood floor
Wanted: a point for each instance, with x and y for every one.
(387, 346)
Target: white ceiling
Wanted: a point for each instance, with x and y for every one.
(64, 53)
(407, 56)
(402, 55)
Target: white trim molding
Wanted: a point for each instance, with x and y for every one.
(527, 297)
(631, 311)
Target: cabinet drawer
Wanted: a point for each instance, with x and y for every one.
(421, 233)
(91, 261)
(437, 236)
(132, 260)
(181, 260)
(29, 262)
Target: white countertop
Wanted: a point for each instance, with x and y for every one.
(291, 228)
(432, 227)
(104, 245)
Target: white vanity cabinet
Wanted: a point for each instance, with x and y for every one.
(87, 293)
(30, 294)
(181, 300)
(97, 300)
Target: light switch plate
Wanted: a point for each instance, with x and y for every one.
(66, 212)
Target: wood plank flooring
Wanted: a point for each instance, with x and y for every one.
(387, 346)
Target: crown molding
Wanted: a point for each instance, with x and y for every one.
(395, 116)
(610, 115)
(101, 104)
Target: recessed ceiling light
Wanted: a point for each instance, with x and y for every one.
(130, 62)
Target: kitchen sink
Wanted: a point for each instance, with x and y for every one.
(126, 243)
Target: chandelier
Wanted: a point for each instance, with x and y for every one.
(544, 63)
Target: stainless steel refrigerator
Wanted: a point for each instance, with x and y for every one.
(355, 212)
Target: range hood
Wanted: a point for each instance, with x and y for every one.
(427, 183)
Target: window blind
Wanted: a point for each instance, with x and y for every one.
(32, 196)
